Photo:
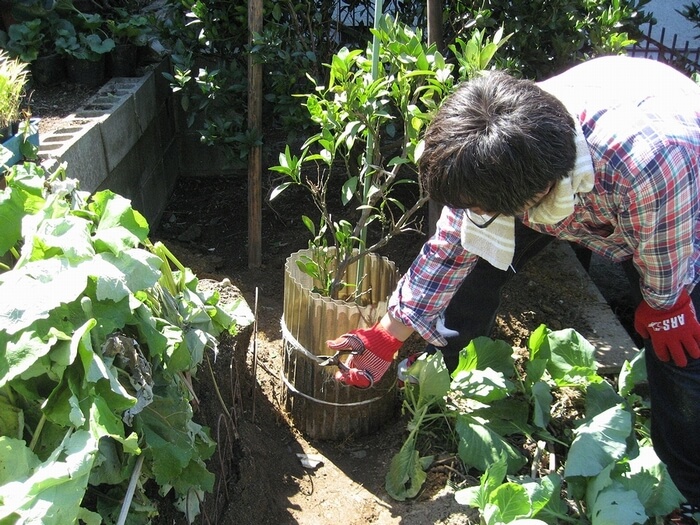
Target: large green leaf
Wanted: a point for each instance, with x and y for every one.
(406, 475)
(171, 445)
(600, 397)
(68, 236)
(486, 385)
(599, 442)
(480, 446)
(30, 293)
(17, 461)
(23, 195)
(571, 358)
(483, 353)
(118, 276)
(545, 497)
(649, 478)
(120, 227)
(11, 212)
(617, 506)
(18, 354)
(50, 493)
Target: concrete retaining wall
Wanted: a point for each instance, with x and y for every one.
(124, 139)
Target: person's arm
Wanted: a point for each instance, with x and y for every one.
(663, 215)
(395, 327)
(421, 294)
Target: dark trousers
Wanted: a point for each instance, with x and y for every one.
(674, 391)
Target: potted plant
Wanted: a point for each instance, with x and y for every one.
(34, 41)
(13, 78)
(129, 32)
(370, 119)
(19, 133)
(85, 45)
(26, 39)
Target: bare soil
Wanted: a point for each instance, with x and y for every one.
(54, 103)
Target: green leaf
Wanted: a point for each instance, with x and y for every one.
(506, 416)
(406, 475)
(479, 446)
(17, 461)
(348, 190)
(535, 343)
(63, 404)
(11, 421)
(120, 227)
(542, 402)
(544, 495)
(617, 506)
(600, 397)
(512, 500)
(649, 478)
(17, 354)
(52, 491)
(36, 289)
(483, 353)
(491, 479)
(119, 276)
(433, 377)
(277, 190)
(572, 358)
(309, 224)
(632, 373)
(599, 442)
(486, 385)
(68, 236)
(23, 195)
(165, 425)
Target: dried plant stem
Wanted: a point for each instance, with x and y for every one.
(123, 513)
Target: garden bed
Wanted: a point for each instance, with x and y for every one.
(205, 224)
(260, 476)
(54, 103)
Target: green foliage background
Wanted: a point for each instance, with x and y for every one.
(210, 39)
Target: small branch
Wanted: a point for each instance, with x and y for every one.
(37, 432)
(398, 227)
(216, 387)
(255, 350)
(123, 513)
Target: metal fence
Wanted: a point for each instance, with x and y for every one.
(679, 55)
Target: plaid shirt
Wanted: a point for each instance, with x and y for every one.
(645, 204)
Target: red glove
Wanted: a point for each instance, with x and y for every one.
(673, 333)
(375, 349)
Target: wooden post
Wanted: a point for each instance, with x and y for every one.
(435, 23)
(434, 37)
(255, 10)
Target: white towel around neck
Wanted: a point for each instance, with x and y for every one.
(496, 243)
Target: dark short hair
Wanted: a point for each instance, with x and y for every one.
(495, 143)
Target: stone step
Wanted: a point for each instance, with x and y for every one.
(613, 343)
